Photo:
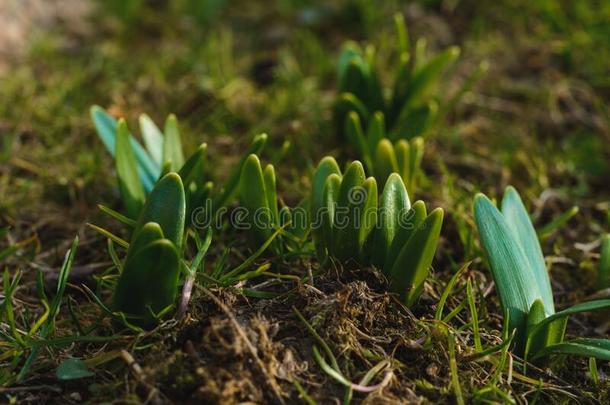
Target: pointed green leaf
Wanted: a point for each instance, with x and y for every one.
(394, 204)
(355, 135)
(407, 225)
(192, 170)
(411, 157)
(524, 233)
(253, 197)
(412, 265)
(153, 138)
(589, 306)
(326, 167)
(271, 193)
(415, 121)
(172, 144)
(374, 93)
(117, 215)
(355, 80)
(166, 206)
(232, 183)
(402, 33)
(535, 341)
(375, 131)
(149, 282)
(421, 49)
(166, 168)
(509, 266)
(557, 222)
(149, 233)
(349, 207)
(345, 103)
(350, 53)
(106, 127)
(385, 160)
(597, 348)
(330, 197)
(300, 221)
(127, 173)
(368, 218)
(403, 157)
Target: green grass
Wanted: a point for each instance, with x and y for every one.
(536, 120)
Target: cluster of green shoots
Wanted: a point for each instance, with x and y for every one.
(160, 189)
(519, 271)
(345, 217)
(356, 224)
(139, 168)
(385, 126)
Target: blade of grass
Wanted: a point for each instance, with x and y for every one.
(448, 289)
(49, 325)
(474, 317)
(453, 369)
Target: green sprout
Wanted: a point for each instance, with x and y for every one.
(354, 224)
(24, 337)
(380, 155)
(148, 282)
(519, 271)
(139, 168)
(412, 107)
(258, 195)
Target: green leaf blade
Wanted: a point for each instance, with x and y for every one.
(413, 263)
(509, 265)
(520, 225)
(166, 205)
(393, 205)
(131, 188)
(153, 138)
(172, 144)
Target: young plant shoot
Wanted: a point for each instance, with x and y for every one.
(148, 282)
(258, 195)
(352, 223)
(519, 271)
(413, 106)
(380, 155)
(139, 168)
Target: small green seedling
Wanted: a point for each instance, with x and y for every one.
(381, 155)
(352, 223)
(23, 337)
(258, 195)
(519, 271)
(148, 282)
(139, 168)
(414, 105)
(158, 253)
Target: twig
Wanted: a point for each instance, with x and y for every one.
(153, 394)
(187, 290)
